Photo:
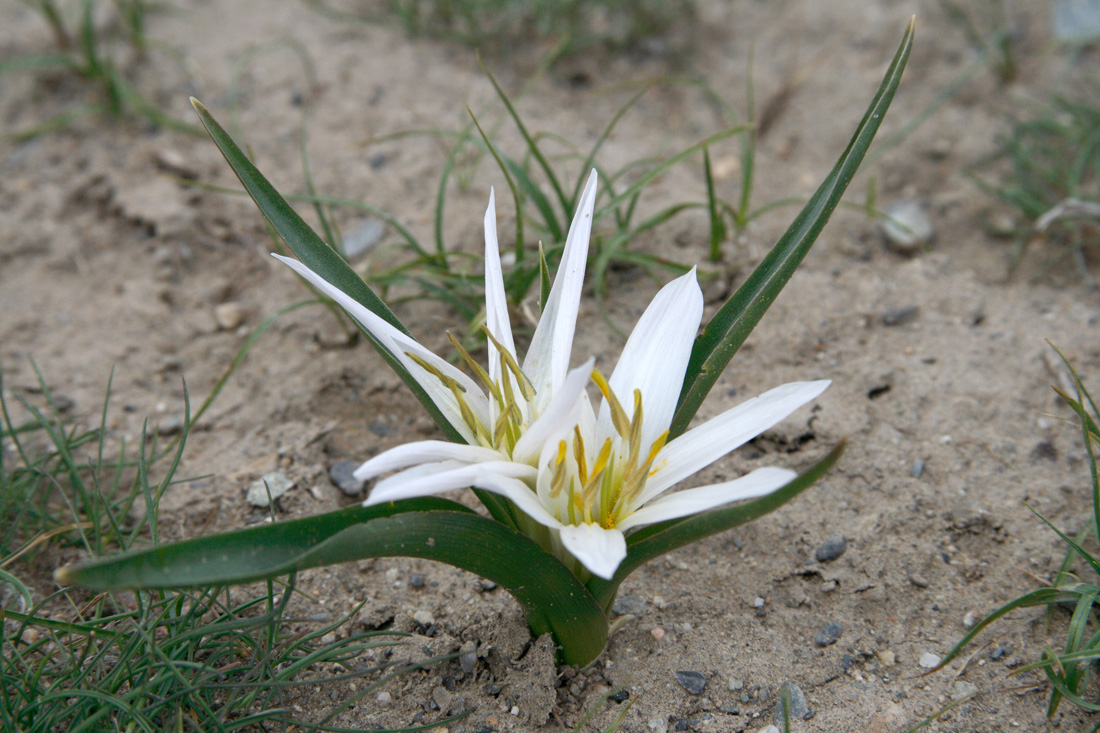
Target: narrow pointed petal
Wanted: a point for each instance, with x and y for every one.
(559, 416)
(656, 356)
(399, 345)
(547, 359)
(760, 482)
(423, 481)
(598, 549)
(496, 302)
(698, 448)
(425, 451)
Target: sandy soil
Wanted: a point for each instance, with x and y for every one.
(107, 261)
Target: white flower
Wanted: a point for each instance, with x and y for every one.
(582, 477)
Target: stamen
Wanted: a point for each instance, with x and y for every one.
(448, 382)
(578, 454)
(618, 414)
(509, 362)
(557, 483)
(475, 367)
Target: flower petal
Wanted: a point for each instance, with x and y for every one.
(559, 416)
(705, 444)
(496, 303)
(655, 358)
(760, 482)
(399, 345)
(598, 549)
(547, 359)
(425, 451)
(424, 481)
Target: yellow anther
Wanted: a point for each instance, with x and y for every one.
(636, 423)
(618, 414)
(557, 483)
(448, 382)
(508, 364)
(578, 455)
(476, 368)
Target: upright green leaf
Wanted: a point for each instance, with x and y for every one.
(732, 324)
(554, 600)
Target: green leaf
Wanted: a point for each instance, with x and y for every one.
(732, 324)
(437, 529)
(657, 539)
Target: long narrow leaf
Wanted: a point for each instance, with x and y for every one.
(431, 528)
(731, 325)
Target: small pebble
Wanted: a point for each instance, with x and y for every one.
(831, 549)
(228, 316)
(736, 684)
(170, 425)
(999, 652)
(928, 660)
(416, 580)
(693, 682)
(962, 690)
(380, 428)
(918, 468)
(900, 315)
(276, 483)
(797, 710)
(829, 634)
(634, 605)
(906, 227)
(887, 658)
(384, 698)
(918, 580)
(362, 238)
(468, 660)
(657, 633)
(970, 619)
(342, 476)
(424, 618)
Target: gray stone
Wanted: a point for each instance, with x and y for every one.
(693, 682)
(900, 316)
(380, 428)
(170, 425)
(906, 226)
(918, 468)
(634, 605)
(797, 709)
(342, 476)
(276, 483)
(831, 548)
(829, 633)
(1076, 21)
(362, 238)
(962, 689)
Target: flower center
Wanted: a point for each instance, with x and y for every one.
(605, 491)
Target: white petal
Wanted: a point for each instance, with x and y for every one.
(496, 303)
(561, 414)
(398, 344)
(656, 356)
(760, 482)
(547, 359)
(423, 481)
(598, 549)
(426, 451)
(705, 444)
